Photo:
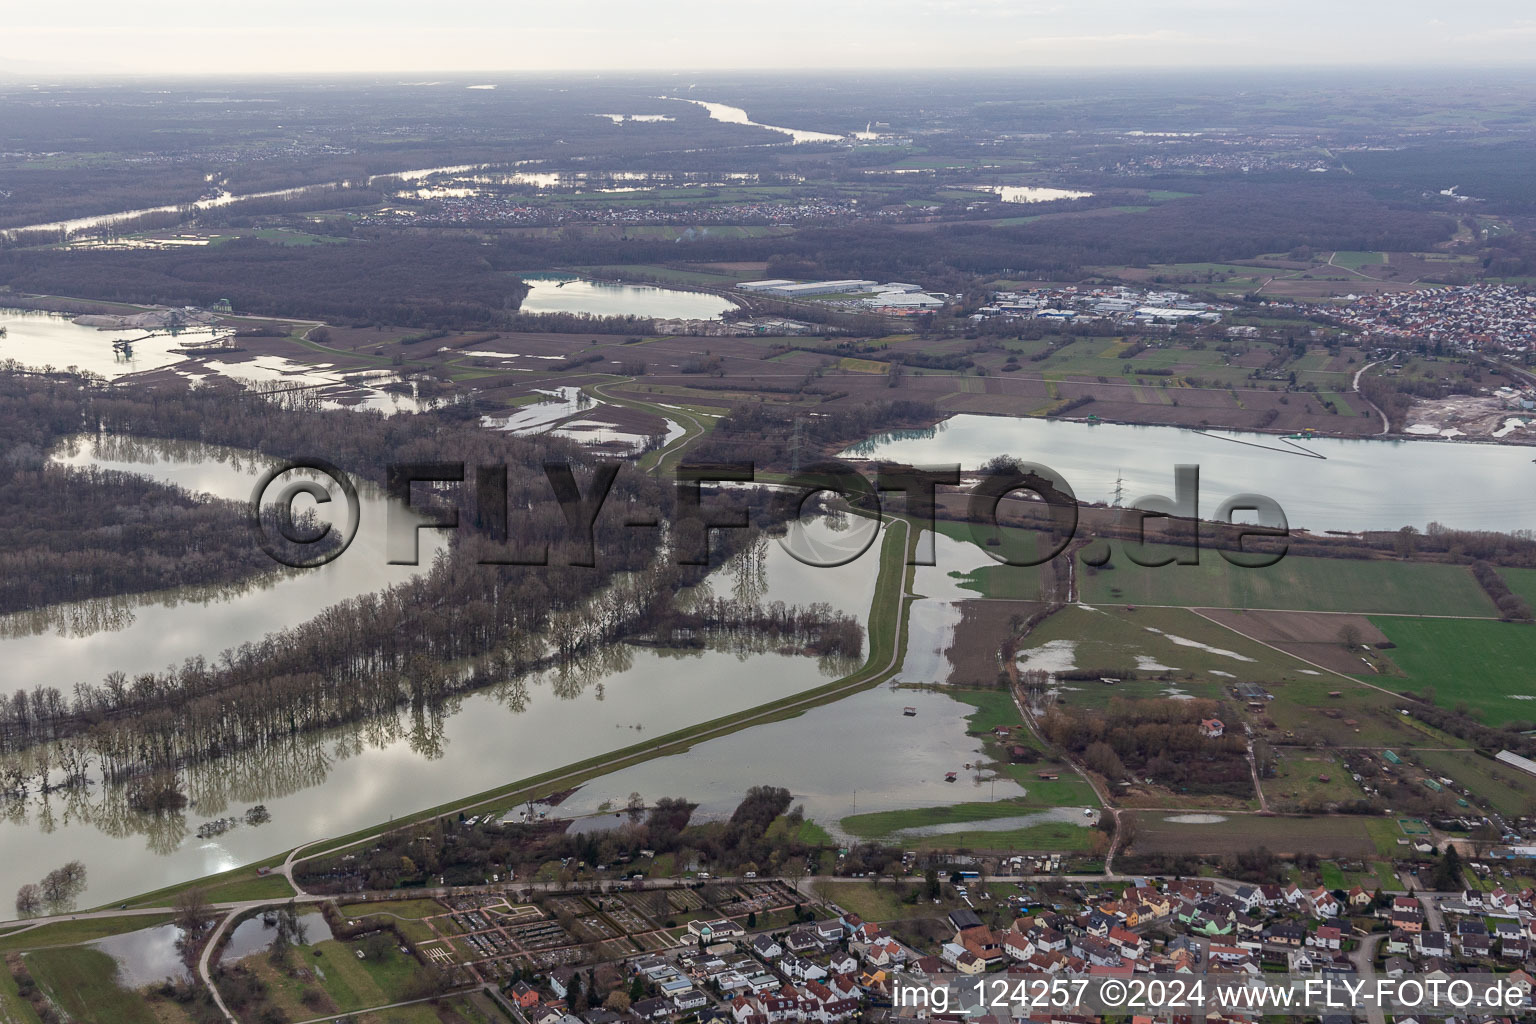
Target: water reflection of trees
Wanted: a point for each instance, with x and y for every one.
(79, 794)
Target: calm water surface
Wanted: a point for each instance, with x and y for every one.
(558, 293)
(1322, 483)
(333, 784)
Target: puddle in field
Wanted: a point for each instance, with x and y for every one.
(1051, 656)
(1196, 819)
(1207, 648)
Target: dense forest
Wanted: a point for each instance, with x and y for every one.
(447, 278)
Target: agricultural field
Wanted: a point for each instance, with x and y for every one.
(1306, 712)
(1316, 637)
(1522, 582)
(1171, 646)
(1482, 665)
(1295, 582)
(1340, 835)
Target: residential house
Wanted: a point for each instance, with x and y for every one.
(651, 1009)
(690, 1000)
(767, 947)
(1323, 903)
(1328, 937)
(1017, 945)
(1248, 898)
(1432, 944)
(801, 969)
(1286, 933)
(560, 980)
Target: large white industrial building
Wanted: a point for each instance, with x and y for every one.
(791, 288)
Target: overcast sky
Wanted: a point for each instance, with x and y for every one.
(307, 36)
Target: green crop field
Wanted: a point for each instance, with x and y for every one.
(1295, 582)
(1522, 582)
(1485, 665)
(1358, 260)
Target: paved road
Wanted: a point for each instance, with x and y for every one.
(1364, 959)
(1385, 424)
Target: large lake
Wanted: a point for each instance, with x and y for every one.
(561, 293)
(1322, 483)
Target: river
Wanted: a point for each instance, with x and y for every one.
(727, 114)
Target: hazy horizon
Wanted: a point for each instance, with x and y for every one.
(163, 38)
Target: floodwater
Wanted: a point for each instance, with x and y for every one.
(560, 293)
(355, 389)
(145, 957)
(854, 755)
(73, 226)
(1070, 815)
(336, 783)
(39, 339)
(557, 404)
(1353, 485)
(253, 935)
(86, 640)
(934, 617)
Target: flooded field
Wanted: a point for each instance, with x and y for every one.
(38, 339)
(856, 755)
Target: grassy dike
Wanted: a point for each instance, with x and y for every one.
(887, 638)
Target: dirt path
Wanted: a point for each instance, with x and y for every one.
(1253, 767)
